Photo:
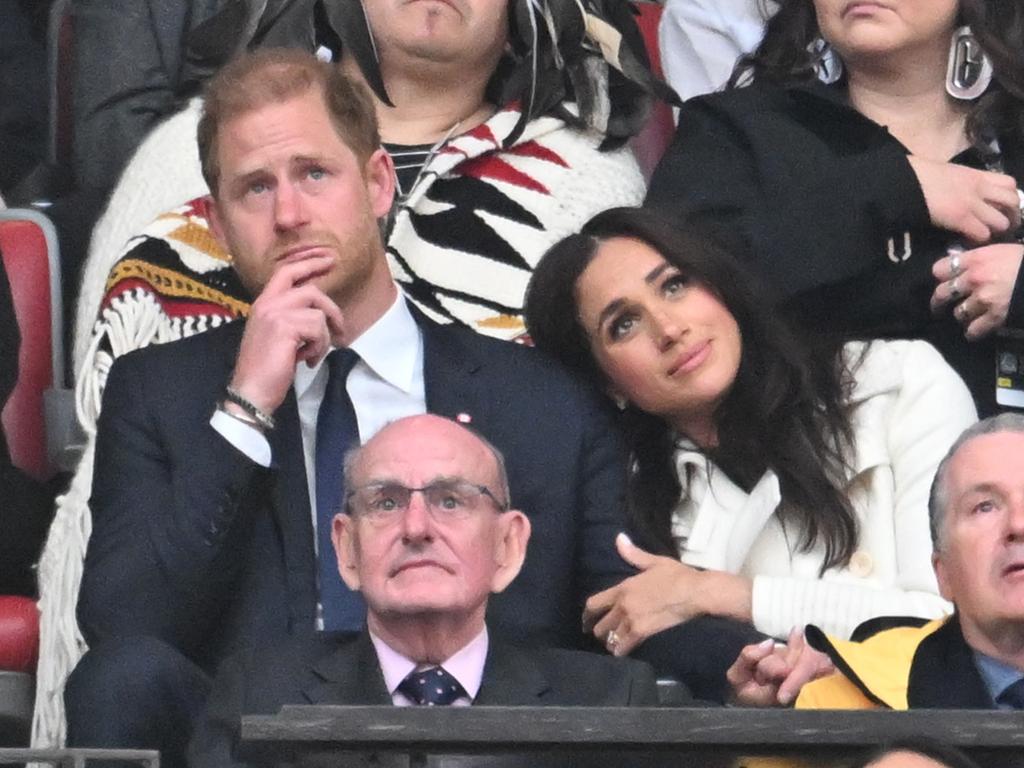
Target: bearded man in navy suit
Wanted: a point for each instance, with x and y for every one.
(206, 492)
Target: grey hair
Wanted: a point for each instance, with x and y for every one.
(938, 497)
(503, 491)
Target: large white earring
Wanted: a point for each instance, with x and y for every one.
(969, 71)
(827, 65)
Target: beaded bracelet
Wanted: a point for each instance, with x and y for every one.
(263, 419)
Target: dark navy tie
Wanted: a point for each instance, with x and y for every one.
(434, 687)
(1013, 695)
(337, 431)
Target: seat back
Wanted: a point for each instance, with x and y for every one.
(28, 244)
(650, 144)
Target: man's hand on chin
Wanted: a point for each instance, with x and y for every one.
(292, 320)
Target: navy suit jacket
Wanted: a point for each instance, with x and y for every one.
(195, 544)
(308, 671)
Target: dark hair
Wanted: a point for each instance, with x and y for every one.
(785, 411)
(941, 753)
(783, 57)
(274, 75)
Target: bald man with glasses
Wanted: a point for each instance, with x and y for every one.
(427, 536)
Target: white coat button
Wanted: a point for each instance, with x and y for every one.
(861, 564)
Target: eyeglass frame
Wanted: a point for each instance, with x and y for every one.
(482, 490)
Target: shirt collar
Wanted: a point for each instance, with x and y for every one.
(388, 347)
(466, 665)
(996, 675)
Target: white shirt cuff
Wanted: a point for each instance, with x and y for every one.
(245, 437)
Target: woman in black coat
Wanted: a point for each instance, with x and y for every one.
(883, 201)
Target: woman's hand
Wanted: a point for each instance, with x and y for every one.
(981, 288)
(980, 205)
(664, 593)
(769, 675)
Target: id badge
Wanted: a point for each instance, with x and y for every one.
(1010, 371)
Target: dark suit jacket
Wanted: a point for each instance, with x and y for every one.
(312, 671)
(195, 544)
(943, 674)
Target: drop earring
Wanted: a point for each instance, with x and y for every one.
(828, 67)
(969, 71)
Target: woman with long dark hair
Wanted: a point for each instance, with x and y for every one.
(769, 481)
(870, 154)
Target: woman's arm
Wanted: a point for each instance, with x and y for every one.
(664, 594)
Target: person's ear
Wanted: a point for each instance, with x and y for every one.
(343, 535)
(509, 548)
(379, 175)
(942, 575)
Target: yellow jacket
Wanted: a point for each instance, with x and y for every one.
(870, 674)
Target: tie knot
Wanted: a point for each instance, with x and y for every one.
(341, 362)
(1012, 695)
(432, 687)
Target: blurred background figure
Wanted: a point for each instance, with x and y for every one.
(701, 40)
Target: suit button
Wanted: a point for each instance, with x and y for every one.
(861, 564)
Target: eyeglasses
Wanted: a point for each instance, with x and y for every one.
(383, 503)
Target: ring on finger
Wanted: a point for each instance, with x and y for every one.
(954, 288)
(961, 311)
(955, 268)
(612, 640)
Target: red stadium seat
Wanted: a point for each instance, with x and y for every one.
(28, 243)
(650, 144)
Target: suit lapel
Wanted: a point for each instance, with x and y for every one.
(347, 674)
(943, 674)
(448, 369)
(511, 678)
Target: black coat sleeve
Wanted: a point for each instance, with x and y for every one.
(810, 209)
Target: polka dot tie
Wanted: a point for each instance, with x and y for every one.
(433, 687)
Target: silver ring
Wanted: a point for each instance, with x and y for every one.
(961, 311)
(611, 639)
(954, 265)
(954, 288)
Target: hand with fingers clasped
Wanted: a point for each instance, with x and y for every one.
(292, 320)
(665, 593)
(771, 675)
(977, 286)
